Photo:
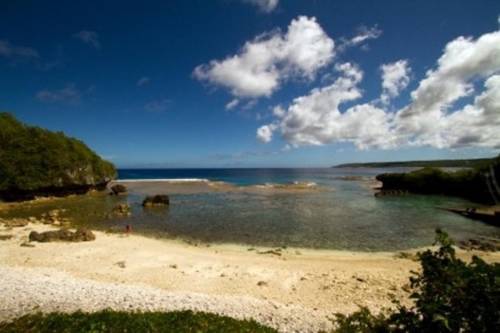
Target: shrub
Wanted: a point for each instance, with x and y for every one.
(450, 296)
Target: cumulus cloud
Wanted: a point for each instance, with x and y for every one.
(395, 78)
(316, 119)
(143, 81)
(69, 94)
(89, 37)
(432, 118)
(265, 6)
(263, 63)
(16, 52)
(464, 61)
(265, 133)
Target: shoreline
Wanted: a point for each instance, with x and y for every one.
(295, 291)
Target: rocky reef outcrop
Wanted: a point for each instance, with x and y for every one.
(156, 200)
(80, 235)
(480, 184)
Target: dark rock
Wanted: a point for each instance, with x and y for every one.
(118, 189)
(121, 264)
(80, 235)
(486, 245)
(122, 210)
(156, 200)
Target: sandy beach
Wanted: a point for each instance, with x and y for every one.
(290, 289)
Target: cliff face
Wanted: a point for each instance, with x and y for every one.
(38, 162)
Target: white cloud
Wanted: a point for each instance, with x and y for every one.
(363, 35)
(315, 119)
(395, 78)
(89, 37)
(266, 6)
(69, 94)
(10, 51)
(143, 81)
(464, 61)
(430, 119)
(232, 104)
(265, 133)
(263, 63)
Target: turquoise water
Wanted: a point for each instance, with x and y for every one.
(343, 215)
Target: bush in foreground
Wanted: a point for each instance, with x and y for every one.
(449, 294)
(134, 322)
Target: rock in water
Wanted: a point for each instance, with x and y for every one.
(156, 200)
(80, 235)
(122, 210)
(118, 189)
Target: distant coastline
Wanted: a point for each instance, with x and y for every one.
(459, 163)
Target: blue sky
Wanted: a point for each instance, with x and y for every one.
(151, 85)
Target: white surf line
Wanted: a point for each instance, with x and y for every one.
(166, 180)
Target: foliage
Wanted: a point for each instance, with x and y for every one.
(33, 158)
(449, 294)
(137, 322)
(468, 183)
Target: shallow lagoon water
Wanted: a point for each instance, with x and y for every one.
(341, 214)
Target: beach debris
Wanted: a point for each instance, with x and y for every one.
(156, 200)
(80, 235)
(406, 255)
(262, 283)
(118, 189)
(174, 266)
(27, 244)
(5, 237)
(276, 252)
(121, 210)
(121, 264)
(14, 223)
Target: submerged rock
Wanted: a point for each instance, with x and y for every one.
(122, 210)
(80, 235)
(118, 189)
(156, 200)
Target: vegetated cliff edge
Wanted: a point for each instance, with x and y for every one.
(480, 184)
(37, 162)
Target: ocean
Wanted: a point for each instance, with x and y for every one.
(344, 215)
(340, 212)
